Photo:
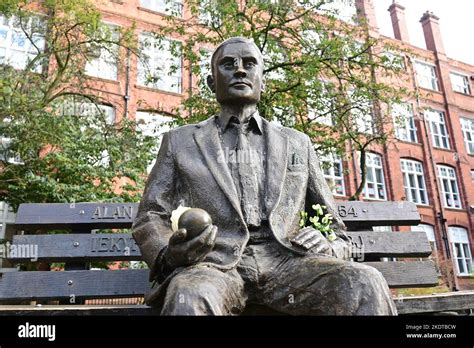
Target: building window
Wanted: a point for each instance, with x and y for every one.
(414, 181)
(153, 125)
(273, 57)
(460, 83)
(393, 60)
(86, 108)
(439, 132)
(404, 120)
(321, 102)
(467, 126)
(102, 61)
(426, 76)
(449, 187)
(209, 13)
(204, 67)
(462, 251)
(169, 7)
(429, 230)
(472, 174)
(375, 181)
(19, 45)
(7, 216)
(362, 112)
(6, 153)
(160, 64)
(333, 171)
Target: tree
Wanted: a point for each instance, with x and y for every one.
(320, 71)
(58, 143)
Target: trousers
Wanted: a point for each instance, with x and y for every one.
(292, 284)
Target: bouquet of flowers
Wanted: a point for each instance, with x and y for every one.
(320, 221)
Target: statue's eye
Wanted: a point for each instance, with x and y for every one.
(229, 65)
(249, 65)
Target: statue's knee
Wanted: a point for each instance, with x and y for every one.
(191, 294)
(367, 277)
(182, 289)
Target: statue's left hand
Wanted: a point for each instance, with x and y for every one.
(311, 239)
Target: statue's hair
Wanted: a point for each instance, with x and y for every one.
(232, 40)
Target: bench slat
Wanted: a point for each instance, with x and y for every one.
(121, 215)
(407, 274)
(358, 214)
(392, 244)
(78, 310)
(443, 302)
(75, 215)
(122, 246)
(123, 283)
(76, 247)
(81, 284)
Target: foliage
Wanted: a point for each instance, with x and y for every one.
(58, 143)
(319, 70)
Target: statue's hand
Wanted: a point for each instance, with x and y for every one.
(311, 239)
(183, 252)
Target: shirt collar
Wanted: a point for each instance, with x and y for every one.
(254, 122)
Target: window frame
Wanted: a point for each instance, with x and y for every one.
(95, 67)
(452, 180)
(433, 83)
(205, 67)
(436, 127)
(29, 51)
(160, 128)
(375, 182)
(408, 120)
(162, 9)
(325, 118)
(465, 260)
(466, 88)
(418, 181)
(159, 55)
(329, 173)
(363, 124)
(468, 134)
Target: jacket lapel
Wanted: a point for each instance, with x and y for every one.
(207, 138)
(277, 148)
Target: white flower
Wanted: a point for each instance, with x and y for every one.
(175, 215)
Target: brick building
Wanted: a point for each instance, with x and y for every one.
(431, 163)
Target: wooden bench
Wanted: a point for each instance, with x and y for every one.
(78, 246)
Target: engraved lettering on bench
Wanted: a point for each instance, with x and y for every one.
(344, 210)
(113, 244)
(105, 212)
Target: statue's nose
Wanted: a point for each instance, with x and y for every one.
(240, 71)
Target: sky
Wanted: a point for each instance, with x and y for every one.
(456, 23)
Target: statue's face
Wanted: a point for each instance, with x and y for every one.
(238, 74)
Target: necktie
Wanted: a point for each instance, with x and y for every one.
(248, 178)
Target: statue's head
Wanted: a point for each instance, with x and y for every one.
(237, 72)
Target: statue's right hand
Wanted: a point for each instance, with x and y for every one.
(183, 252)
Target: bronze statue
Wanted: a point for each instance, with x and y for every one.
(253, 178)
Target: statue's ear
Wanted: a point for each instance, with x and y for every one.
(210, 83)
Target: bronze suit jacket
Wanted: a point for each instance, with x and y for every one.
(190, 170)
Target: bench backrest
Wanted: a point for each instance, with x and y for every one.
(81, 246)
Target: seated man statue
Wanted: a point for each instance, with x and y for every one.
(254, 251)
